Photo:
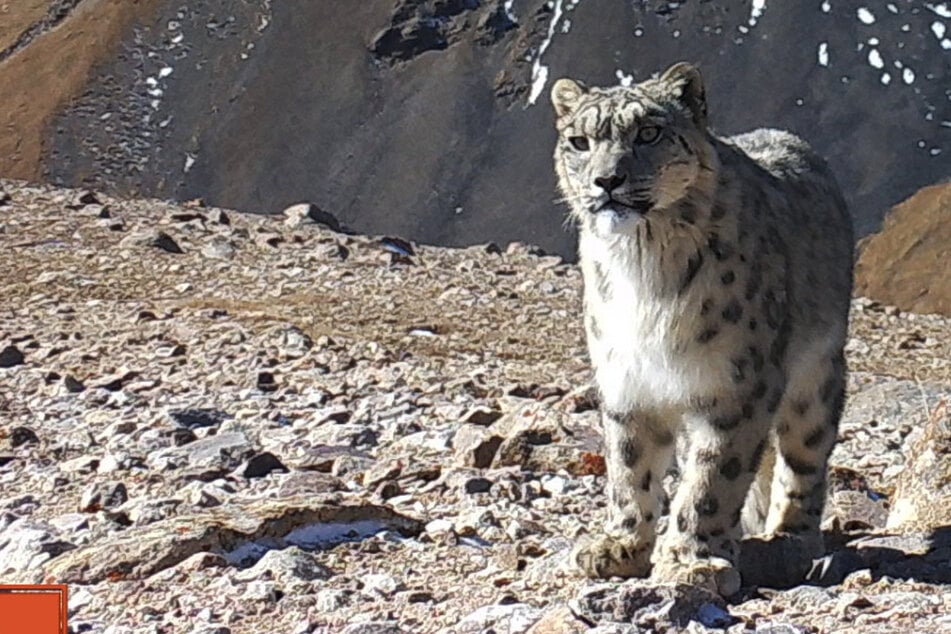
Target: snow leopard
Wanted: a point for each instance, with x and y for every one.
(717, 278)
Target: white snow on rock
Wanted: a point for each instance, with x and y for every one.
(939, 29)
(940, 9)
(508, 10)
(886, 78)
(539, 70)
(623, 78)
(865, 16)
(826, 7)
(823, 54)
(756, 11)
(908, 76)
(875, 59)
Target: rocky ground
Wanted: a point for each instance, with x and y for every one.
(212, 422)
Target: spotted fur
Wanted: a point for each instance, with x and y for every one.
(701, 257)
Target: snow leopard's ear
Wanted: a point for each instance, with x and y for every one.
(687, 84)
(565, 95)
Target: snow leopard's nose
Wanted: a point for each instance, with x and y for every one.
(609, 183)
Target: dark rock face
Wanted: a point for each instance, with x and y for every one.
(430, 118)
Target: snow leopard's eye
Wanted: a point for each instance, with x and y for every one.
(647, 134)
(579, 143)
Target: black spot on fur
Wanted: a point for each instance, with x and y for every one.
(721, 250)
(706, 306)
(630, 452)
(731, 468)
(738, 370)
(757, 456)
(774, 398)
(799, 467)
(753, 324)
(629, 523)
(815, 438)
(801, 407)
(646, 481)
(777, 351)
(601, 282)
(753, 281)
(648, 517)
(707, 456)
(759, 390)
(757, 358)
(707, 335)
(594, 327)
(728, 278)
(682, 522)
(708, 505)
(694, 263)
(732, 312)
(748, 409)
(774, 308)
(716, 532)
(688, 215)
(726, 423)
(718, 212)
(829, 387)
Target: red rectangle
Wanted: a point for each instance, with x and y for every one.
(33, 609)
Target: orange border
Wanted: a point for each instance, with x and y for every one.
(63, 601)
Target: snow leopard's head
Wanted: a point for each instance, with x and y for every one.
(626, 153)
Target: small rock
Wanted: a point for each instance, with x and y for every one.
(439, 526)
(98, 497)
(286, 565)
(262, 464)
(482, 416)
(73, 385)
(512, 618)
(307, 213)
(266, 382)
(477, 485)
(23, 436)
(197, 418)
(475, 446)
(151, 238)
(922, 499)
(641, 603)
(10, 357)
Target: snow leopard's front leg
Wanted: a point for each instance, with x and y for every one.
(638, 447)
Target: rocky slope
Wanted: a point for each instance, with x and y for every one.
(429, 118)
(213, 422)
(906, 263)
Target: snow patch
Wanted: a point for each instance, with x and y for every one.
(623, 78)
(865, 16)
(189, 161)
(508, 11)
(875, 59)
(539, 70)
(908, 76)
(322, 535)
(940, 9)
(756, 11)
(939, 29)
(886, 79)
(826, 7)
(823, 54)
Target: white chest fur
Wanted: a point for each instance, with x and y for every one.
(639, 333)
